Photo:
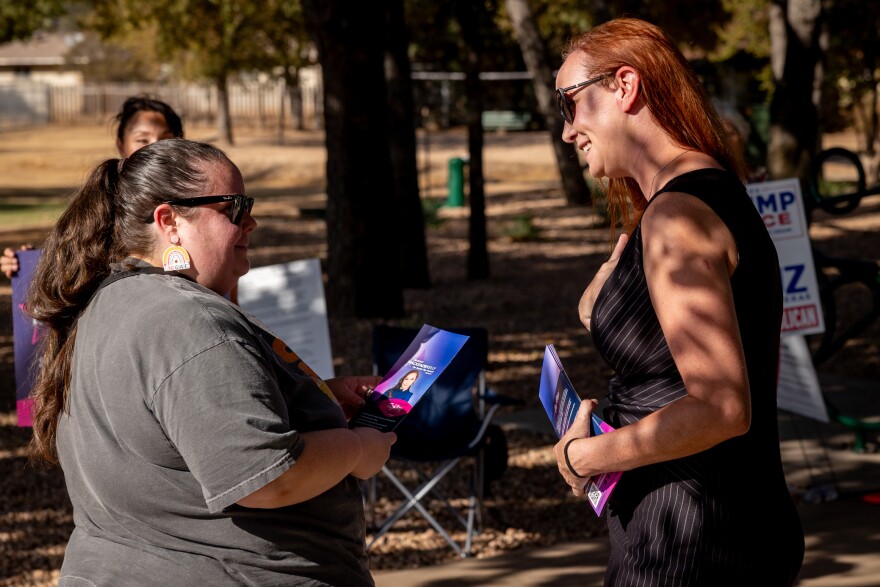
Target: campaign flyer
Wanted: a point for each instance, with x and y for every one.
(410, 378)
(25, 334)
(561, 403)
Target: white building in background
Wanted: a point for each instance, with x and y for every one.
(29, 70)
(41, 59)
(40, 83)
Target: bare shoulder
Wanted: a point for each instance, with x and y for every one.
(681, 224)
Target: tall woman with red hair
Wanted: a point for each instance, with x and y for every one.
(687, 313)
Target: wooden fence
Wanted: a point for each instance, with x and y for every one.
(258, 104)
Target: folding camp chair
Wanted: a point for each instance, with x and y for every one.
(449, 426)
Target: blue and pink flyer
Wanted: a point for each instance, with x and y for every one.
(561, 403)
(26, 335)
(409, 378)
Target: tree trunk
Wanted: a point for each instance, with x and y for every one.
(291, 95)
(224, 121)
(282, 122)
(295, 96)
(470, 15)
(402, 134)
(872, 168)
(577, 192)
(363, 270)
(796, 35)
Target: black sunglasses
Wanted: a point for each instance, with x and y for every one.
(240, 204)
(564, 101)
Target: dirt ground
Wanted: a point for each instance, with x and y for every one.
(529, 300)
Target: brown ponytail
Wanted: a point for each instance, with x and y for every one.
(103, 224)
(73, 263)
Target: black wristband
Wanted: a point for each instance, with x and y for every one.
(568, 462)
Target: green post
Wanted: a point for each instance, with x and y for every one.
(456, 183)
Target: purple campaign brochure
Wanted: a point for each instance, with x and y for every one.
(25, 334)
(561, 403)
(409, 378)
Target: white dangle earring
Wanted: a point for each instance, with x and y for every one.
(175, 257)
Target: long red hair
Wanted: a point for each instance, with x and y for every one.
(670, 89)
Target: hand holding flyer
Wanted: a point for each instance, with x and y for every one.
(26, 335)
(561, 403)
(409, 378)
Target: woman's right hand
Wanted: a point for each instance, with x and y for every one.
(588, 299)
(9, 261)
(375, 450)
(352, 391)
(576, 478)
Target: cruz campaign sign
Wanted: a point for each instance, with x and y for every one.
(782, 209)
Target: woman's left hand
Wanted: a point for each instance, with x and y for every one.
(351, 392)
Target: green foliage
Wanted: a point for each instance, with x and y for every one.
(830, 188)
(852, 63)
(436, 38)
(560, 21)
(744, 45)
(210, 39)
(19, 19)
(522, 229)
(125, 58)
(282, 37)
(433, 34)
(747, 29)
(430, 209)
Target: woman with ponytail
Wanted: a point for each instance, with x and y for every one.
(197, 448)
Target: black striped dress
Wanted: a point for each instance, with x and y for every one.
(723, 516)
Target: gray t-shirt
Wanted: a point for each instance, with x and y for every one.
(180, 405)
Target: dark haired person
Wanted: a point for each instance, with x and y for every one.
(144, 120)
(196, 447)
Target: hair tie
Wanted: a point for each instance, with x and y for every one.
(568, 462)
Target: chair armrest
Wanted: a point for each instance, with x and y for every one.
(487, 419)
(494, 401)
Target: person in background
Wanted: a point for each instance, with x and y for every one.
(197, 448)
(738, 130)
(141, 121)
(687, 312)
(144, 120)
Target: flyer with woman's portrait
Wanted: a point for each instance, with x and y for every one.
(409, 378)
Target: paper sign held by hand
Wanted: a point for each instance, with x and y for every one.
(561, 403)
(409, 378)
